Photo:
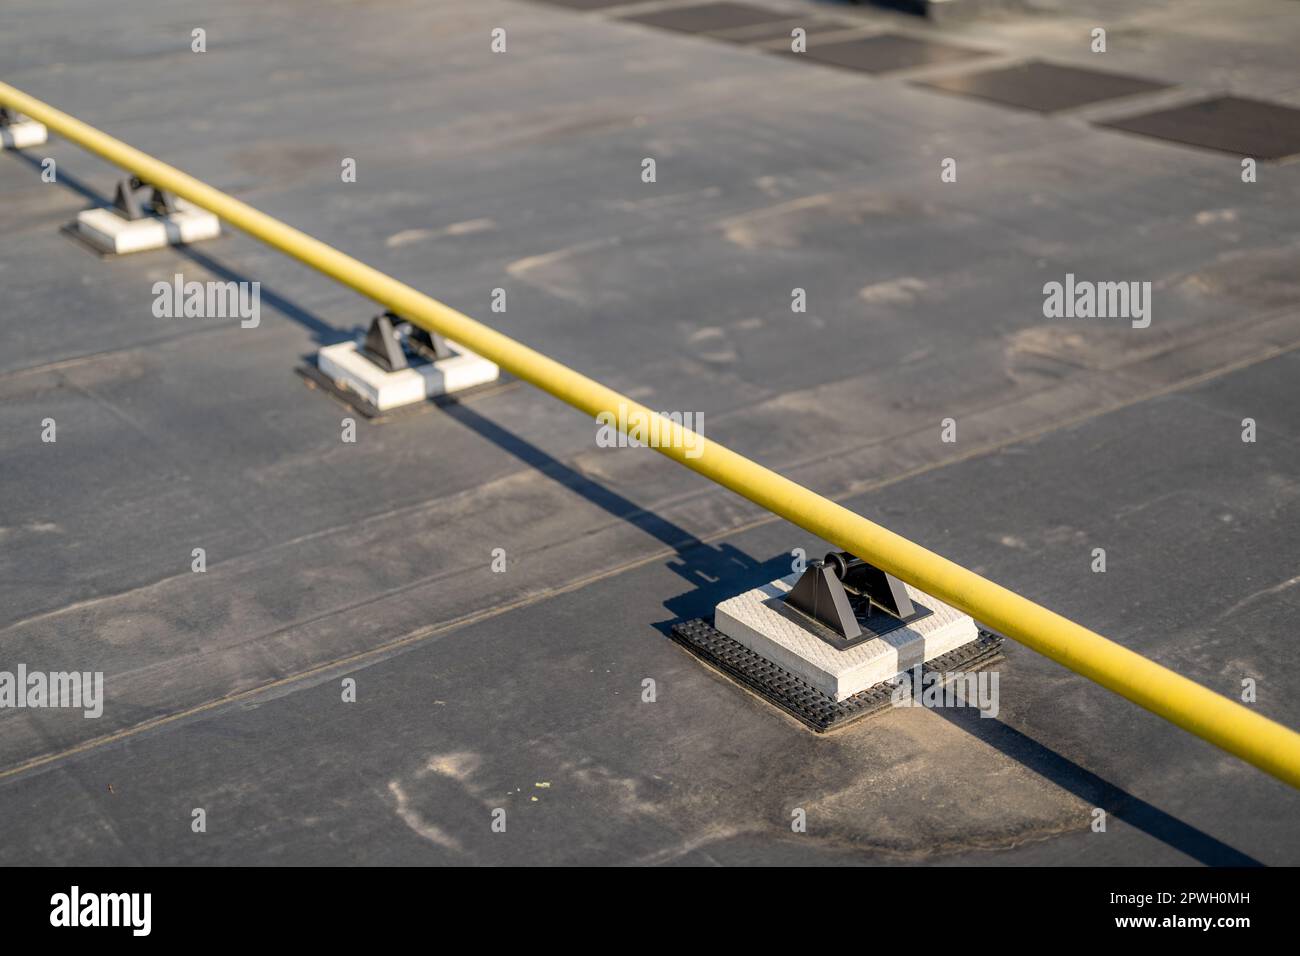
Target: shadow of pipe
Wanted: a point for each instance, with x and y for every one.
(1094, 790)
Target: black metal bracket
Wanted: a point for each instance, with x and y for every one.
(844, 593)
(136, 199)
(392, 342)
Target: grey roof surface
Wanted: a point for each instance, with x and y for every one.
(372, 560)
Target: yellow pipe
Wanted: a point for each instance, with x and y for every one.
(1268, 745)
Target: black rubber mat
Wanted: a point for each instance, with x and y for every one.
(1231, 124)
(1043, 87)
(710, 17)
(781, 30)
(589, 4)
(883, 53)
(800, 699)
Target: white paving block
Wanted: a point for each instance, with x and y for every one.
(350, 369)
(24, 133)
(749, 620)
(108, 230)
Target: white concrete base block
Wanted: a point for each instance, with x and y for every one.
(109, 231)
(350, 369)
(24, 133)
(840, 674)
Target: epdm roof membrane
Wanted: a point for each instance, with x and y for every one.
(373, 559)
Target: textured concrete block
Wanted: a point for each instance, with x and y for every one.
(109, 231)
(351, 370)
(22, 134)
(754, 620)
